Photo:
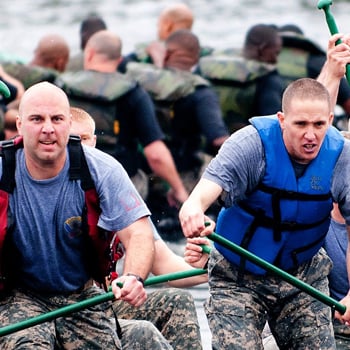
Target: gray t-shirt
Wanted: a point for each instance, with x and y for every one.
(336, 244)
(49, 254)
(240, 165)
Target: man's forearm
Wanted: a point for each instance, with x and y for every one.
(162, 164)
(139, 248)
(330, 82)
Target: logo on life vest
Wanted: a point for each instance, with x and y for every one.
(73, 226)
(315, 183)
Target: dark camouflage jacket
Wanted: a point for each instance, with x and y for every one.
(29, 75)
(235, 81)
(97, 93)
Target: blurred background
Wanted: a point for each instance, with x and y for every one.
(220, 23)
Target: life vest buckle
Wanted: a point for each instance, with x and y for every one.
(6, 144)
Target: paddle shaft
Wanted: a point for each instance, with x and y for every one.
(279, 272)
(325, 5)
(69, 309)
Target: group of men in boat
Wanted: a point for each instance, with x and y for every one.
(163, 117)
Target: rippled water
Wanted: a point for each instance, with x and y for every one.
(220, 23)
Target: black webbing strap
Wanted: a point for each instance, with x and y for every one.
(296, 252)
(248, 235)
(8, 153)
(266, 221)
(285, 194)
(276, 195)
(78, 167)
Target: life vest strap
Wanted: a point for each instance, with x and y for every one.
(8, 153)
(269, 222)
(286, 194)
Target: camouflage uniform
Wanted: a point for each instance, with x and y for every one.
(241, 303)
(342, 335)
(172, 311)
(91, 328)
(141, 54)
(97, 93)
(234, 79)
(142, 335)
(293, 58)
(166, 86)
(30, 75)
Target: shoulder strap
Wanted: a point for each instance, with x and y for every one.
(104, 247)
(78, 168)
(8, 153)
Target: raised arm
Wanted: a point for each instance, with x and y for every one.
(338, 55)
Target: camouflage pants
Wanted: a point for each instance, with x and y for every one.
(342, 335)
(238, 308)
(142, 335)
(86, 329)
(91, 328)
(172, 311)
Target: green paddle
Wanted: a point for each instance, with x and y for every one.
(325, 5)
(69, 309)
(279, 272)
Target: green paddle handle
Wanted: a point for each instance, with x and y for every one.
(325, 5)
(4, 90)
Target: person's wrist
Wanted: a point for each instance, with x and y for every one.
(139, 278)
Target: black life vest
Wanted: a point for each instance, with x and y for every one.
(104, 245)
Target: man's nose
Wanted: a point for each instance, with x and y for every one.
(48, 127)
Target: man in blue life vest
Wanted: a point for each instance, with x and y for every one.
(48, 254)
(277, 179)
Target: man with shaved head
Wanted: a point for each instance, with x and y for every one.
(174, 17)
(196, 117)
(49, 259)
(89, 26)
(124, 115)
(52, 52)
(50, 58)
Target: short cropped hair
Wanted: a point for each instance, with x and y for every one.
(305, 89)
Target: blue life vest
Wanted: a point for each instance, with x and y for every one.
(285, 220)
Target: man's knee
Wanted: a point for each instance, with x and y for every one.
(143, 334)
